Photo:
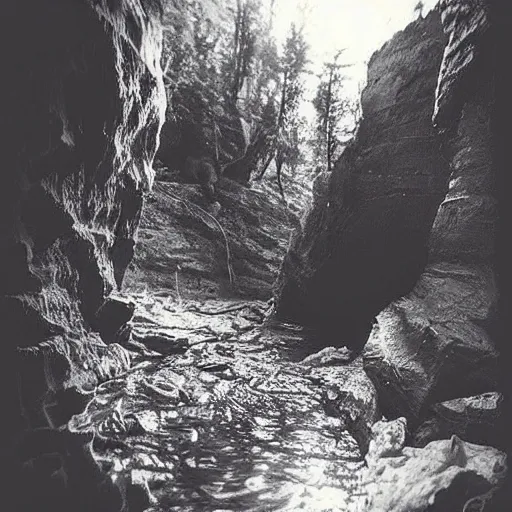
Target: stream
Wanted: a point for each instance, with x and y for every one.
(222, 412)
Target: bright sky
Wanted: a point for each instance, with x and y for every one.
(359, 26)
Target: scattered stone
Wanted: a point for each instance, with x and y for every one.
(162, 342)
(329, 356)
(215, 208)
(387, 439)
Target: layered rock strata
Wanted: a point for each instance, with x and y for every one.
(364, 242)
(439, 342)
(433, 352)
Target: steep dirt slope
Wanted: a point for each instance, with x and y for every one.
(190, 248)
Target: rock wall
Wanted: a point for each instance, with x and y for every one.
(408, 223)
(438, 342)
(364, 241)
(83, 104)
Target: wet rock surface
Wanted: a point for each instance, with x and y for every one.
(233, 415)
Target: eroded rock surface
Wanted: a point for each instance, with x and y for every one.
(365, 240)
(444, 475)
(82, 110)
(439, 342)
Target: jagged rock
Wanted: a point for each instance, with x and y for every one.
(348, 393)
(78, 163)
(444, 475)
(65, 368)
(439, 342)
(82, 109)
(364, 242)
(478, 419)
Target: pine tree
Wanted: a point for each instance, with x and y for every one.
(330, 106)
(293, 65)
(419, 8)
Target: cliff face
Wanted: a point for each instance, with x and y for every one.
(439, 342)
(81, 117)
(364, 242)
(385, 227)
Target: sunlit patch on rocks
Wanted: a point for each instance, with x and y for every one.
(233, 421)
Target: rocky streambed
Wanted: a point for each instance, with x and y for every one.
(221, 412)
(224, 409)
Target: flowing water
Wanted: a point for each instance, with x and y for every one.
(220, 413)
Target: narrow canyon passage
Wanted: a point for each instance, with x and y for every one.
(221, 413)
(232, 281)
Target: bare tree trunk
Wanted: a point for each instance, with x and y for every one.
(237, 50)
(279, 166)
(328, 120)
(265, 166)
(280, 120)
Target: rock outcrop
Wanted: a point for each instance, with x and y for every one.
(439, 342)
(445, 475)
(364, 243)
(478, 419)
(408, 220)
(83, 104)
(413, 226)
(191, 248)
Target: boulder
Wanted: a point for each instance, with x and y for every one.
(112, 316)
(444, 475)
(431, 345)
